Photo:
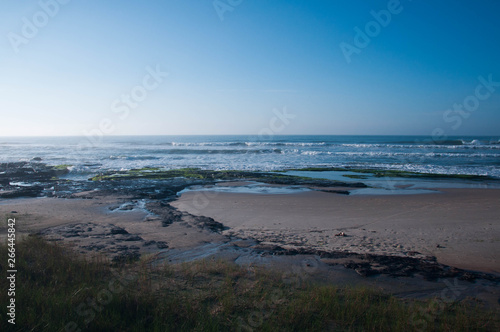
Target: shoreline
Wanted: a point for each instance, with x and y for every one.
(123, 228)
(391, 242)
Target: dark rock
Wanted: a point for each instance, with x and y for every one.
(162, 245)
(210, 223)
(118, 230)
(395, 266)
(126, 257)
(468, 276)
(365, 272)
(340, 192)
(131, 238)
(38, 176)
(95, 247)
(16, 192)
(268, 247)
(127, 207)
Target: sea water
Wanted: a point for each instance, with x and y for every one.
(87, 156)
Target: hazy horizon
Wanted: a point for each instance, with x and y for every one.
(256, 136)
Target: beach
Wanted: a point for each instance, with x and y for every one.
(458, 226)
(378, 223)
(403, 244)
(250, 166)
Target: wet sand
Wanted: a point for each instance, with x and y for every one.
(461, 227)
(109, 225)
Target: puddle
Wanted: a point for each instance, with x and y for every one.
(395, 185)
(249, 188)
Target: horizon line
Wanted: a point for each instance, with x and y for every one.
(276, 135)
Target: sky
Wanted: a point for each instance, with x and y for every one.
(188, 67)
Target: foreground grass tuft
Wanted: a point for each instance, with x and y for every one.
(58, 291)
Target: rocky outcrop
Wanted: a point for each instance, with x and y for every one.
(27, 179)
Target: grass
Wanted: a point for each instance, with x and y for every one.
(57, 289)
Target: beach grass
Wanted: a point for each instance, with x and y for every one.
(57, 290)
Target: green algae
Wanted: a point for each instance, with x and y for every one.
(61, 167)
(356, 176)
(228, 175)
(391, 173)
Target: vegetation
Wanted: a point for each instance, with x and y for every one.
(61, 167)
(209, 175)
(58, 291)
(276, 177)
(356, 176)
(392, 173)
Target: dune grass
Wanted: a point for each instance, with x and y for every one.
(60, 291)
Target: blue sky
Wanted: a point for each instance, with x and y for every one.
(226, 76)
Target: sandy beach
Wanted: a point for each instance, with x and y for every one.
(115, 226)
(413, 242)
(461, 227)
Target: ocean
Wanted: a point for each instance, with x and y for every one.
(88, 156)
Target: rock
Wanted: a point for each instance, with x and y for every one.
(210, 223)
(268, 247)
(162, 245)
(341, 192)
(131, 237)
(16, 192)
(365, 272)
(127, 207)
(467, 276)
(118, 230)
(126, 257)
